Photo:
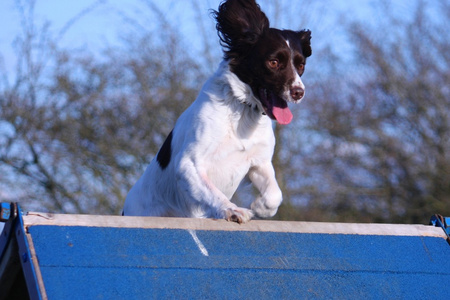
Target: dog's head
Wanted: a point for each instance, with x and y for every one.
(269, 60)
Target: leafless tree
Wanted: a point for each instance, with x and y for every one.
(76, 130)
(369, 143)
(375, 143)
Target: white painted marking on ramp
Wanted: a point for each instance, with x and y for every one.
(198, 242)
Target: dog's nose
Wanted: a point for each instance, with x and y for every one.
(297, 93)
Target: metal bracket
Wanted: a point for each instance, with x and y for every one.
(443, 222)
(8, 214)
(14, 247)
(8, 211)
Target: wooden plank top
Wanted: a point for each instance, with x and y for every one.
(36, 218)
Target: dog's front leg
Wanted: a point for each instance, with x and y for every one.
(267, 203)
(196, 188)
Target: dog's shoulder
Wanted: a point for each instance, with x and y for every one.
(223, 103)
(223, 116)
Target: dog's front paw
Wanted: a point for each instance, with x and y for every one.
(238, 214)
(265, 209)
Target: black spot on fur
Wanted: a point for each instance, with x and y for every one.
(165, 152)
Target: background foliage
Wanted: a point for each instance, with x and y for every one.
(370, 142)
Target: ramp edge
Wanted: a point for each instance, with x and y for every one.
(36, 218)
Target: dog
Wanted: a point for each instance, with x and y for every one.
(226, 135)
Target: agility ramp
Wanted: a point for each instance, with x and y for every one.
(47, 256)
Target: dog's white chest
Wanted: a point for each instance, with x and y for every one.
(228, 165)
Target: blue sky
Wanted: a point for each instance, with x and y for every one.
(102, 25)
(105, 21)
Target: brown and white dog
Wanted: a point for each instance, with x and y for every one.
(226, 134)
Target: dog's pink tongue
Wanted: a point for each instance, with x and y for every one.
(281, 111)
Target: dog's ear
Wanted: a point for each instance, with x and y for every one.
(239, 25)
(305, 40)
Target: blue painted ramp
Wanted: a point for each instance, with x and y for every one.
(100, 257)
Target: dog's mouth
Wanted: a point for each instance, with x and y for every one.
(275, 107)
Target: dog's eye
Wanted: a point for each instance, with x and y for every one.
(273, 64)
(301, 67)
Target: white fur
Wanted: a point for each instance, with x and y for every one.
(220, 139)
